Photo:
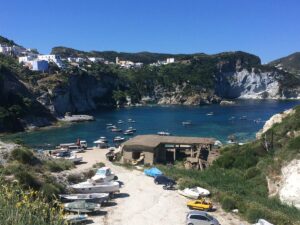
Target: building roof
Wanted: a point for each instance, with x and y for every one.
(149, 142)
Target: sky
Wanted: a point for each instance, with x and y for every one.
(267, 28)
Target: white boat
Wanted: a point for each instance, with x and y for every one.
(194, 193)
(76, 219)
(91, 186)
(163, 133)
(131, 121)
(132, 129)
(263, 222)
(210, 114)
(104, 139)
(128, 132)
(111, 127)
(104, 174)
(71, 156)
(92, 197)
(119, 139)
(116, 130)
(120, 121)
(186, 123)
(100, 144)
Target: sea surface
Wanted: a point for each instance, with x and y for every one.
(242, 120)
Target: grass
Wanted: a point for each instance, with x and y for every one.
(237, 179)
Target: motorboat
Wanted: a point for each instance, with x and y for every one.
(210, 114)
(131, 121)
(109, 124)
(116, 130)
(76, 219)
(128, 132)
(111, 127)
(186, 123)
(194, 193)
(104, 174)
(104, 139)
(81, 207)
(100, 144)
(120, 121)
(119, 139)
(132, 129)
(263, 222)
(92, 197)
(91, 186)
(163, 133)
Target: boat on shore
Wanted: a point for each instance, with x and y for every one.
(104, 174)
(92, 197)
(76, 219)
(71, 156)
(194, 193)
(81, 207)
(91, 186)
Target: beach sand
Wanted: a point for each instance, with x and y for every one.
(141, 201)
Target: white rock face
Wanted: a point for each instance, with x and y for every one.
(290, 189)
(277, 118)
(251, 85)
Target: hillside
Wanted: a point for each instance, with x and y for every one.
(5, 41)
(290, 63)
(144, 57)
(243, 176)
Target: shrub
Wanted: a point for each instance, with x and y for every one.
(58, 165)
(228, 203)
(75, 178)
(27, 179)
(24, 155)
(252, 172)
(50, 190)
(98, 165)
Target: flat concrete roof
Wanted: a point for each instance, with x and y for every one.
(151, 141)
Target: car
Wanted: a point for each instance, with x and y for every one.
(161, 179)
(200, 204)
(200, 218)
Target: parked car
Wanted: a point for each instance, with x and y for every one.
(200, 218)
(161, 179)
(200, 204)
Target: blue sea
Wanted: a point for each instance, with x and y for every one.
(243, 120)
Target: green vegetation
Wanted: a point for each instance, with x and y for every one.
(58, 165)
(291, 63)
(18, 207)
(6, 41)
(237, 178)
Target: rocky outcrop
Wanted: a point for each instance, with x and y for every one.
(81, 93)
(253, 85)
(277, 118)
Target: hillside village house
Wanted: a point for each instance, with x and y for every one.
(40, 65)
(94, 59)
(127, 64)
(12, 50)
(27, 58)
(51, 58)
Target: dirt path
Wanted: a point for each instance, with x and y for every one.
(143, 202)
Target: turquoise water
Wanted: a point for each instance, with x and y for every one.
(243, 120)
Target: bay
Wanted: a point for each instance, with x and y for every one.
(242, 119)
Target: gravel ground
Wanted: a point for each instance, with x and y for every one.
(143, 202)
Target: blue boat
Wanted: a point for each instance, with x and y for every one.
(153, 172)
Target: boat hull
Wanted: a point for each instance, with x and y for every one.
(96, 188)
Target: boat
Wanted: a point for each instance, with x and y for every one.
(91, 186)
(119, 139)
(132, 129)
(81, 207)
(104, 174)
(76, 219)
(109, 124)
(120, 121)
(116, 130)
(210, 114)
(100, 144)
(131, 121)
(92, 197)
(263, 222)
(71, 156)
(186, 123)
(163, 133)
(128, 132)
(104, 139)
(111, 127)
(153, 172)
(194, 193)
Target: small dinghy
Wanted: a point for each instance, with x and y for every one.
(93, 197)
(76, 219)
(194, 193)
(81, 207)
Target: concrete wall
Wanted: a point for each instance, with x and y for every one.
(127, 157)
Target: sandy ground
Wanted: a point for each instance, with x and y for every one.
(143, 202)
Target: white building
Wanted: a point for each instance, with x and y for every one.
(12, 50)
(51, 58)
(170, 60)
(96, 59)
(24, 59)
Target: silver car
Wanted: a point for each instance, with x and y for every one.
(200, 218)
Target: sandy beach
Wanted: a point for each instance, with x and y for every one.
(143, 202)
